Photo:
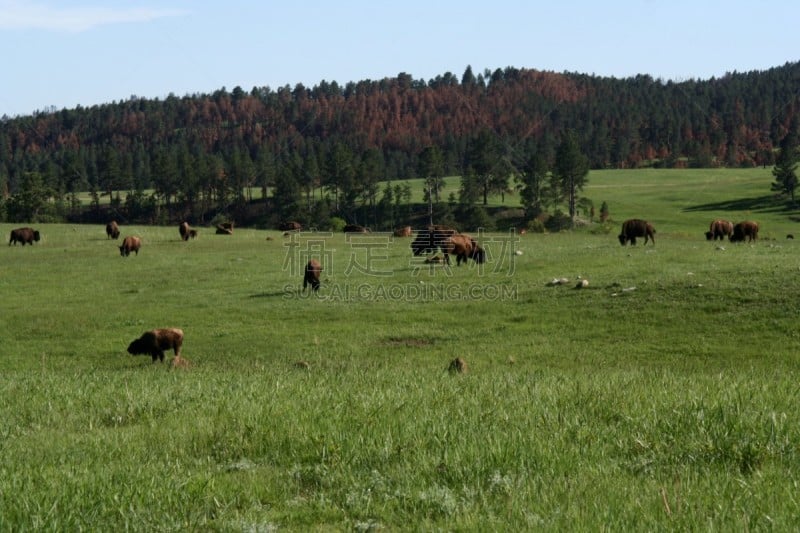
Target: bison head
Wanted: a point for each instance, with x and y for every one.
(138, 347)
(709, 235)
(36, 236)
(622, 239)
(478, 254)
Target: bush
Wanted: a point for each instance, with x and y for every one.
(536, 226)
(336, 224)
(558, 221)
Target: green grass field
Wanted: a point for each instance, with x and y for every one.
(662, 396)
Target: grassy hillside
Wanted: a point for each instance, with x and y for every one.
(661, 396)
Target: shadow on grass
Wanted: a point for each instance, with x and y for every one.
(271, 294)
(763, 204)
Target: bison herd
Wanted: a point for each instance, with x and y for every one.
(432, 239)
(719, 229)
(450, 242)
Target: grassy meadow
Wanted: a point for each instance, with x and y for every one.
(662, 396)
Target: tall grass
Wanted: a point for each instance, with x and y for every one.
(662, 396)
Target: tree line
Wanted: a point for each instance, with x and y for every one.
(338, 151)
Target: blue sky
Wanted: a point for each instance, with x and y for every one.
(86, 52)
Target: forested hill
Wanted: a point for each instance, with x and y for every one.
(378, 129)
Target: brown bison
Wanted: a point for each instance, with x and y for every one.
(719, 229)
(745, 230)
(130, 244)
(403, 232)
(635, 227)
(187, 232)
(355, 228)
(290, 226)
(463, 247)
(458, 366)
(112, 230)
(311, 275)
(24, 235)
(154, 342)
(431, 239)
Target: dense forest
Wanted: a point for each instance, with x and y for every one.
(311, 154)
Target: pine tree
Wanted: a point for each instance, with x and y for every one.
(785, 169)
(571, 168)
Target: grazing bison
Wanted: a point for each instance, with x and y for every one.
(130, 244)
(744, 230)
(311, 275)
(636, 228)
(719, 229)
(290, 226)
(112, 230)
(154, 342)
(24, 235)
(355, 228)
(463, 247)
(187, 231)
(403, 232)
(431, 239)
(458, 366)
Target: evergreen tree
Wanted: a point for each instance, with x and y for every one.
(484, 166)
(532, 178)
(785, 169)
(571, 168)
(431, 168)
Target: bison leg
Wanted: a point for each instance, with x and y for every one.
(633, 240)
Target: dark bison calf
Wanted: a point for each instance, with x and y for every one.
(355, 228)
(745, 230)
(311, 275)
(112, 230)
(130, 244)
(290, 226)
(635, 227)
(719, 229)
(431, 239)
(24, 235)
(154, 342)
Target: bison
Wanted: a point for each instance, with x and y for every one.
(403, 232)
(311, 275)
(290, 226)
(635, 227)
(355, 228)
(719, 229)
(463, 247)
(130, 244)
(431, 239)
(154, 342)
(24, 235)
(744, 230)
(183, 229)
(112, 230)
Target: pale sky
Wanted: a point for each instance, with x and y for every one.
(65, 53)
